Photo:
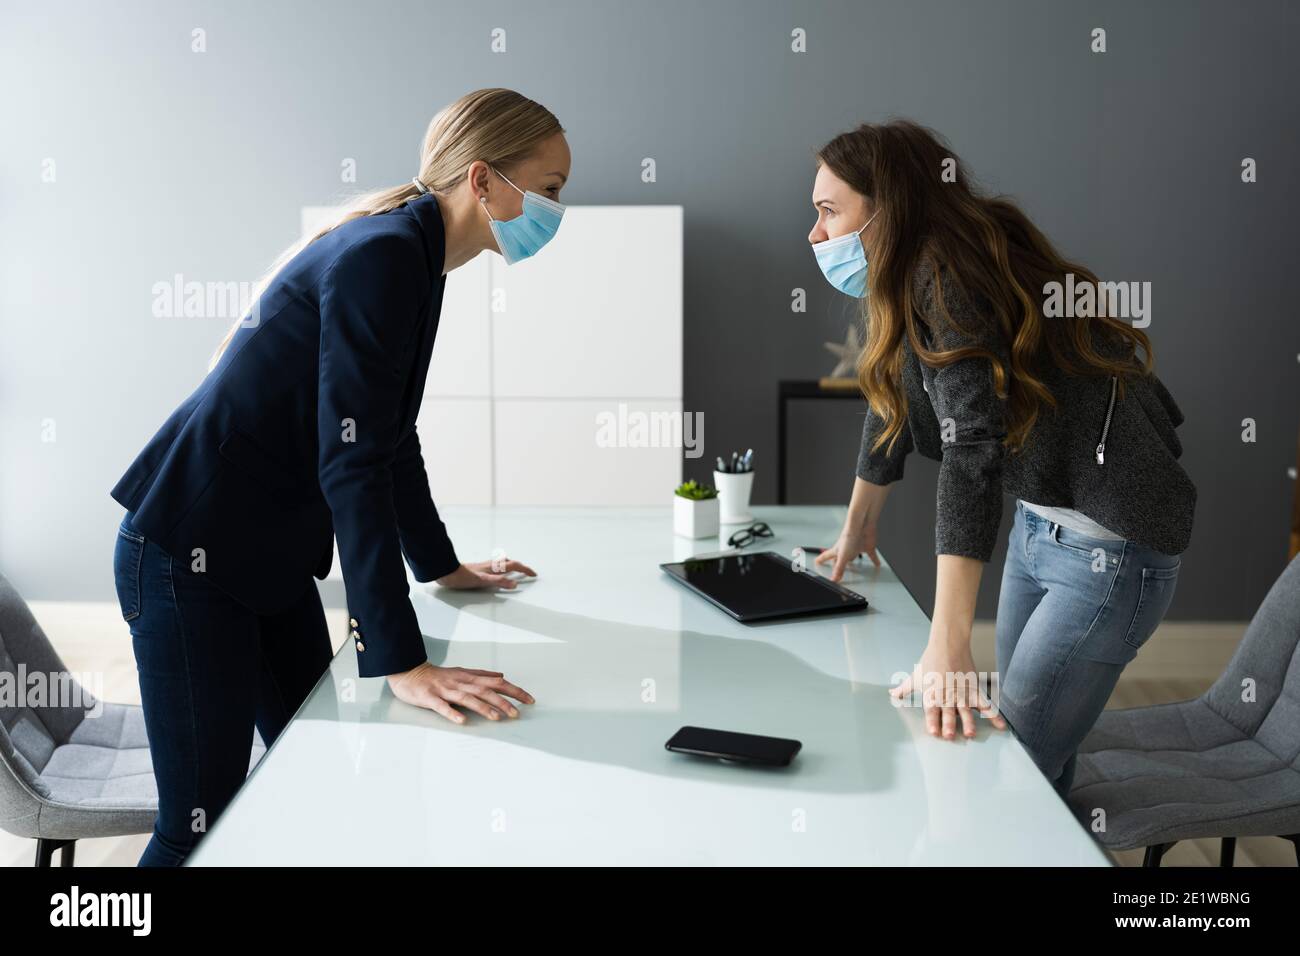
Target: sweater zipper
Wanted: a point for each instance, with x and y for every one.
(1105, 429)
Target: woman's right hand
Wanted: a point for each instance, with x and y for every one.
(486, 574)
(855, 539)
(859, 533)
(438, 688)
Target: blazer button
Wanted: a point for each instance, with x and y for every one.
(355, 636)
(360, 646)
(352, 622)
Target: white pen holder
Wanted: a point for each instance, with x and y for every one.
(733, 493)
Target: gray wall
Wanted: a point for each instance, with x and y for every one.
(174, 162)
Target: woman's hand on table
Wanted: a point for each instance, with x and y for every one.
(486, 574)
(855, 539)
(950, 690)
(485, 693)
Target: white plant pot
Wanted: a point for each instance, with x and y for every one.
(733, 491)
(695, 519)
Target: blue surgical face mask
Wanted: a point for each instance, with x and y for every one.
(844, 261)
(533, 228)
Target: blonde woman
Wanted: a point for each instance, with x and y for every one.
(304, 431)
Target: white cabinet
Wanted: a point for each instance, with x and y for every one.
(597, 313)
(462, 354)
(456, 444)
(548, 453)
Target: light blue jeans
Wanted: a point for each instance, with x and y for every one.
(1072, 613)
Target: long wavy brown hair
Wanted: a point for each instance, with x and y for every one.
(995, 254)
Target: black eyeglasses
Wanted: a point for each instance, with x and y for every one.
(746, 536)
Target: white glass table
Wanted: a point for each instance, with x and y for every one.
(619, 657)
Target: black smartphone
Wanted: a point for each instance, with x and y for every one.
(728, 745)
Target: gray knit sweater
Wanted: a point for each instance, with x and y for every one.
(1138, 490)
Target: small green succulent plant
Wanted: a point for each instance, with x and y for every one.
(696, 491)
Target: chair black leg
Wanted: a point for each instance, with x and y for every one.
(1227, 851)
(45, 852)
(1154, 853)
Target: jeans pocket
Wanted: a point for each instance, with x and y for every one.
(128, 555)
(1153, 601)
(1101, 554)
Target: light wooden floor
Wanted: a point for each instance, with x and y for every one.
(1178, 663)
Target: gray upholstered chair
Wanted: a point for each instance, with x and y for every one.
(66, 775)
(1225, 765)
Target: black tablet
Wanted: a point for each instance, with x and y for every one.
(762, 586)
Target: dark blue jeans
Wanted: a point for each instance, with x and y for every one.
(1073, 611)
(210, 670)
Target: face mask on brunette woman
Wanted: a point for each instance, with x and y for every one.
(843, 261)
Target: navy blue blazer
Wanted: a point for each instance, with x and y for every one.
(305, 431)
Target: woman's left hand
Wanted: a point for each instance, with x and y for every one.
(950, 690)
(486, 574)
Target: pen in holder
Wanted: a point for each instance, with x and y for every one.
(734, 480)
